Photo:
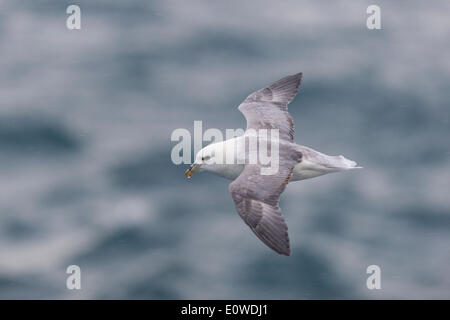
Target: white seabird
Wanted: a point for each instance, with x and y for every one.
(256, 196)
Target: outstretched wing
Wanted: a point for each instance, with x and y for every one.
(267, 108)
(256, 198)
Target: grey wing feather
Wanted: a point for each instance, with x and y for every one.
(266, 222)
(256, 198)
(267, 107)
(281, 92)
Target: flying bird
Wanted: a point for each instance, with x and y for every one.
(256, 195)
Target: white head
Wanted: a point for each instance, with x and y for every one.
(210, 158)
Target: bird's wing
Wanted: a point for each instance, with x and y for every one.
(256, 198)
(267, 107)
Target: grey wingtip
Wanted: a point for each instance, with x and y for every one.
(299, 76)
(285, 251)
(285, 89)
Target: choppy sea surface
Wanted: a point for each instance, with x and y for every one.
(86, 176)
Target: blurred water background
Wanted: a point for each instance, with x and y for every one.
(86, 175)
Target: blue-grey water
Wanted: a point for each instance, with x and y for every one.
(86, 176)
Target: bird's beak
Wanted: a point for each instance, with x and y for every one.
(193, 169)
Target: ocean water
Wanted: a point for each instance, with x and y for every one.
(87, 179)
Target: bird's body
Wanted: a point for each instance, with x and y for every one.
(256, 190)
(312, 164)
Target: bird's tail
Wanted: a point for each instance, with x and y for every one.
(332, 163)
(342, 163)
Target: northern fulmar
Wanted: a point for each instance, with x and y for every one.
(256, 195)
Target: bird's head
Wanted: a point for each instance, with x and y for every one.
(204, 160)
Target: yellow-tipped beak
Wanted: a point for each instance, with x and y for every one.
(193, 169)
